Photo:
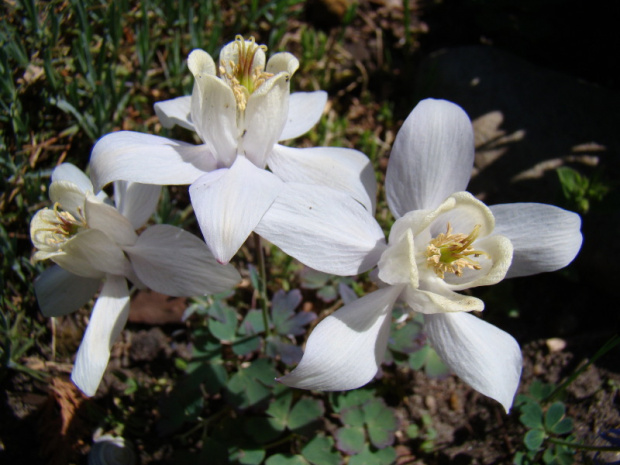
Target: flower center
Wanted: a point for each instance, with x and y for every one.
(244, 77)
(452, 253)
(61, 226)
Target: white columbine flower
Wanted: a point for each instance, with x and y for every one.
(92, 241)
(443, 241)
(319, 196)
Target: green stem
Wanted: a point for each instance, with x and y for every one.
(573, 445)
(262, 291)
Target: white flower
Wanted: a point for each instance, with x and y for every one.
(92, 241)
(444, 240)
(240, 116)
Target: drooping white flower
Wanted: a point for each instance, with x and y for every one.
(91, 241)
(240, 115)
(443, 241)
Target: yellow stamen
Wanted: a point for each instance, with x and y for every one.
(244, 77)
(451, 253)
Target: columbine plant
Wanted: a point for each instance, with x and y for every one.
(316, 204)
(92, 241)
(443, 241)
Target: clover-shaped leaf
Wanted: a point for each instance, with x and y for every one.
(305, 412)
(223, 323)
(554, 419)
(350, 439)
(427, 357)
(286, 459)
(289, 353)
(534, 438)
(381, 422)
(319, 451)
(252, 384)
(386, 456)
(532, 415)
(286, 321)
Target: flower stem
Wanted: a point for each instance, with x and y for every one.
(262, 290)
(573, 445)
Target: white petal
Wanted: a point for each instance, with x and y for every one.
(282, 62)
(69, 196)
(265, 117)
(106, 323)
(434, 296)
(91, 254)
(304, 111)
(71, 173)
(398, 262)
(432, 157)
(200, 62)
(324, 229)
(136, 157)
(229, 203)
(135, 201)
(175, 111)
(214, 112)
(544, 237)
(340, 168)
(176, 263)
(345, 350)
(485, 357)
(60, 292)
(108, 219)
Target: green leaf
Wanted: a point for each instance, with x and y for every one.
(382, 423)
(279, 409)
(223, 324)
(344, 400)
(350, 440)
(533, 439)
(252, 384)
(385, 456)
(564, 426)
(282, 459)
(554, 414)
(305, 412)
(286, 321)
(539, 390)
(248, 456)
(319, 451)
(353, 416)
(404, 338)
(532, 415)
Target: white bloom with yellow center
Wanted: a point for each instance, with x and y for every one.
(443, 241)
(240, 109)
(91, 241)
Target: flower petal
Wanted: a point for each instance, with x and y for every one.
(324, 229)
(339, 168)
(345, 349)
(149, 159)
(136, 202)
(482, 355)
(108, 219)
(304, 111)
(177, 263)
(91, 254)
(60, 292)
(432, 157)
(71, 173)
(265, 117)
(544, 237)
(106, 323)
(69, 196)
(176, 111)
(229, 203)
(434, 296)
